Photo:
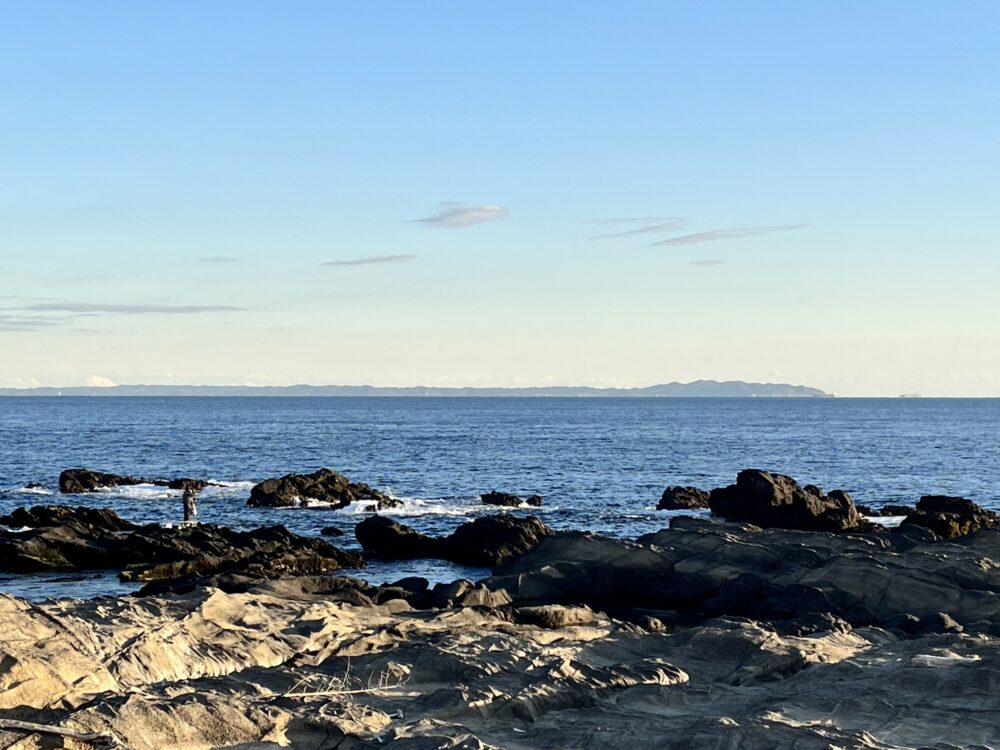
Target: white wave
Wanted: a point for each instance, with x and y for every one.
(33, 491)
(12, 530)
(144, 492)
(435, 506)
(889, 521)
(231, 485)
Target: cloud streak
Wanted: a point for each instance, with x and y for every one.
(219, 259)
(715, 235)
(656, 227)
(707, 263)
(370, 260)
(455, 215)
(101, 308)
(26, 322)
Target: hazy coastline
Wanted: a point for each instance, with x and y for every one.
(695, 389)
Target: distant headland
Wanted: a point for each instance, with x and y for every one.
(696, 389)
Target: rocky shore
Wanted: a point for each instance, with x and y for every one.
(797, 623)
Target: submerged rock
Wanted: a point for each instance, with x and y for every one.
(682, 498)
(507, 500)
(951, 517)
(777, 501)
(322, 486)
(483, 543)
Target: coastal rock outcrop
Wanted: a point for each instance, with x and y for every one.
(683, 498)
(483, 543)
(777, 501)
(62, 539)
(82, 519)
(507, 500)
(702, 568)
(78, 481)
(322, 487)
(951, 517)
(325, 662)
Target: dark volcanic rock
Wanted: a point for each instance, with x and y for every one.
(386, 539)
(323, 486)
(267, 552)
(63, 538)
(682, 498)
(73, 481)
(483, 543)
(506, 500)
(489, 541)
(951, 517)
(331, 531)
(186, 484)
(91, 520)
(700, 568)
(777, 501)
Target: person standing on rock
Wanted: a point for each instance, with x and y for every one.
(190, 505)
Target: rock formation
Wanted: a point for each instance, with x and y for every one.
(330, 662)
(63, 538)
(951, 517)
(76, 481)
(682, 498)
(702, 568)
(777, 501)
(506, 500)
(321, 487)
(484, 542)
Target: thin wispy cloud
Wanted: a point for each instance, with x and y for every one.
(219, 259)
(144, 309)
(27, 322)
(454, 215)
(657, 227)
(707, 263)
(715, 235)
(371, 260)
(630, 220)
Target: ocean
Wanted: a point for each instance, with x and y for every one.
(600, 464)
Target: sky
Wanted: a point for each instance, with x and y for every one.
(454, 193)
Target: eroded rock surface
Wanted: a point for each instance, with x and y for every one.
(316, 663)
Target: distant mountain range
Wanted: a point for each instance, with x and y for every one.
(697, 389)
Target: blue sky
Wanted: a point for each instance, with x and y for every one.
(470, 194)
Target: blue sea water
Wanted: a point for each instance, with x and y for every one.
(600, 464)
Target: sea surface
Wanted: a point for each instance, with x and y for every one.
(600, 464)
